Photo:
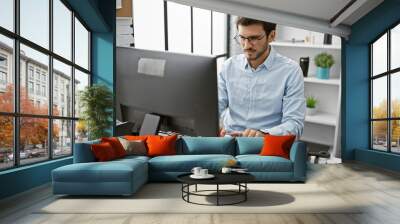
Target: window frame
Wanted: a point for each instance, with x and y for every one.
(16, 114)
(388, 74)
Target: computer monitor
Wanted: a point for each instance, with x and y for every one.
(180, 88)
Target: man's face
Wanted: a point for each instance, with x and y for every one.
(257, 42)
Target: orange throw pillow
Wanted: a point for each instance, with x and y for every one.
(116, 145)
(103, 152)
(135, 137)
(161, 145)
(277, 145)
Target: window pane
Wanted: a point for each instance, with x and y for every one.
(379, 100)
(179, 37)
(149, 13)
(6, 142)
(35, 21)
(7, 14)
(33, 139)
(395, 47)
(34, 72)
(81, 45)
(62, 138)
(395, 136)
(379, 55)
(62, 29)
(219, 33)
(379, 135)
(6, 74)
(201, 31)
(395, 95)
(62, 89)
(81, 131)
(81, 81)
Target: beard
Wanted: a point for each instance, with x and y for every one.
(253, 54)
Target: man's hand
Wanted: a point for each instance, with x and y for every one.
(222, 133)
(252, 133)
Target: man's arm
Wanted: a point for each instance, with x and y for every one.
(222, 92)
(293, 107)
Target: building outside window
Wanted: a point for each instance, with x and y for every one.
(30, 87)
(56, 135)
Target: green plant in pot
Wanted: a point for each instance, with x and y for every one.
(96, 102)
(324, 62)
(311, 105)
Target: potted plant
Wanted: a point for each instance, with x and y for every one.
(311, 103)
(96, 102)
(324, 62)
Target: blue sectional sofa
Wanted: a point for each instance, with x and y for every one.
(125, 176)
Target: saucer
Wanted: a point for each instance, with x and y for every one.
(208, 176)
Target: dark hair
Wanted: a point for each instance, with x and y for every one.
(268, 27)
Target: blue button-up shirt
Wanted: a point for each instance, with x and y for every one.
(269, 98)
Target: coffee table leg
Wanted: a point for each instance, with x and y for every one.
(245, 193)
(217, 194)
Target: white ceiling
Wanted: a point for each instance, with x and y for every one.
(313, 15)
(320, 9)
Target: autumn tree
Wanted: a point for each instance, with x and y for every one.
(380, 127)
(33, 131)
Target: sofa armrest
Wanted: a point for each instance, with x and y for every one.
(298, 155)
(83, 152)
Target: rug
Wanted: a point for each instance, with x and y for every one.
(166, 198)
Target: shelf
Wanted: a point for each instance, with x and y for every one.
(316, 141)
(322, 118)
(304, 45)
(313, 79)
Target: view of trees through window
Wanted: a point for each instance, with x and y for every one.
(385, 92)
(39, 113)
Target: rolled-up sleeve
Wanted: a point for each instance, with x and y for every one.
(293, 107)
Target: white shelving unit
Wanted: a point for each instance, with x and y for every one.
(323, 128)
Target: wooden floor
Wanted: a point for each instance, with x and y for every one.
(377, 188)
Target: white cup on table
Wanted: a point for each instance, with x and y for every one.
(203, 172)
(196, 170)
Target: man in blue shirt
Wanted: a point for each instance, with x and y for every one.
(260, 91)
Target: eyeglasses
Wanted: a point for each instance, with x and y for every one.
(252, 39)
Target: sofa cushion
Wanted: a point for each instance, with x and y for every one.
(208, 145)
(116, 145)
(112, 171)
(161, 145)
(134, 147)
(83, 152)
(103, 152)
(257, 163)
(277, 145)
(249, 145)
(185, 163)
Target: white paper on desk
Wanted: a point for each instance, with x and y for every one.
(151, 66)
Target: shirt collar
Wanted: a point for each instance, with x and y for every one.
(267, 64)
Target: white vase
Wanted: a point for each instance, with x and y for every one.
(310, 111)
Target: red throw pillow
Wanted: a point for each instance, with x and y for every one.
(135, 137)
(161, 145)
(116, 145)
(277, 145)
(103, 151)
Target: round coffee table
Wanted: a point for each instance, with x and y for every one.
(238, 179)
